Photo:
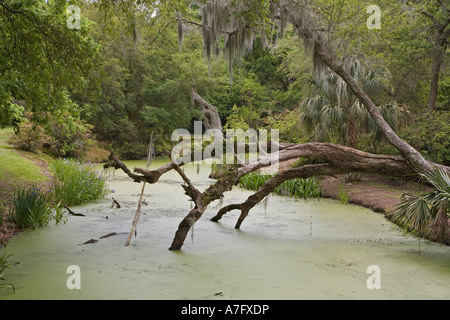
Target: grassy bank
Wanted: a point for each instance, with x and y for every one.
(18, 169)
(34, 187)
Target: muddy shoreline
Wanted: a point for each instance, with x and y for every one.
(375, 192)
(378, 193)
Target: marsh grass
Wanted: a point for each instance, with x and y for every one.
(297, 188)
(5, 264)
(343, 193)
(31, 208)
(77, 183)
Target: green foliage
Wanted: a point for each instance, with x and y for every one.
(242, 118)
(40, 57)
(5, 264)
(433, 207)
(443, 98)
(289, 126)
(332, 107)
(11, 114)
(77, 183)
(253, 181)
(343, 193)
(59, 213)
(143, 81)
(42, 61)
(429, 134)
(122, 75)
(31, 208)
(62, 134)
(297, 188)
(300, 188)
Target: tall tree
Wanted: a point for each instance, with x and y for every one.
(41, 58)
(440, 33)
(327, 40)
(333, 108)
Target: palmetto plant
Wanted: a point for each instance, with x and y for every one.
(334, 110)
(428, 213)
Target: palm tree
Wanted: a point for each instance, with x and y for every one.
(428, 213)
(334, 109)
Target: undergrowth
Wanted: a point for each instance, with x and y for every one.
(297, 188)
(77, 183)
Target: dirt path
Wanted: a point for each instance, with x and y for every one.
(378, 193)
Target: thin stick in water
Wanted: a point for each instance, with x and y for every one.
(138, 211)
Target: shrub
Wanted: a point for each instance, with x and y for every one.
(429, 135)
(77, 183)
(428, 213)
(61, 135)
(30, 137)
(30, 208)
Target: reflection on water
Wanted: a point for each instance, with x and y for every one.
(285, 249)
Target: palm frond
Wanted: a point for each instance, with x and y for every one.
(430, 209)
(440, 180)
(415, 213)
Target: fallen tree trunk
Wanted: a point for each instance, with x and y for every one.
(339, 159)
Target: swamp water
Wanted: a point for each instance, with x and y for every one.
(286, 249)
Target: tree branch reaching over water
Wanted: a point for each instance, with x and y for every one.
(339, 159)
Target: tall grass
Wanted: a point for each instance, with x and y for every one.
(31, 208)
(5, 264)
(343, 193)
(297, 188)
(77, 182)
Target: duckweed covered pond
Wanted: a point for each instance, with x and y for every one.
(285, 249)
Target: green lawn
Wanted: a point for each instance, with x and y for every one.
(15, 170)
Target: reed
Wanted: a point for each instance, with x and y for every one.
(297, 188)
(77, 183)
(30, 208)
(5, 264)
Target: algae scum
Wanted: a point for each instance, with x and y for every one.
(285, 249)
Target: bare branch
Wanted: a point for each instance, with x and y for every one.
(431, 17)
